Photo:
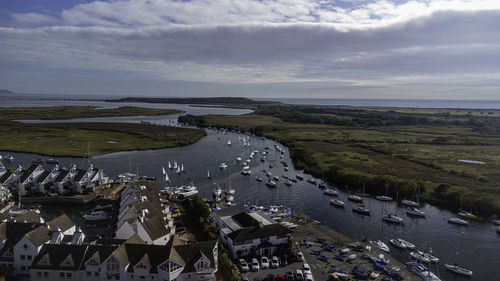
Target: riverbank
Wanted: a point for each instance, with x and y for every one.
(406, 152)
(73, 139)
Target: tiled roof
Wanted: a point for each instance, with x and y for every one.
(38, 236)
(62, 221)
(192, 252)
(13, 232)
(245, 219)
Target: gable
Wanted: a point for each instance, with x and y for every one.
(68, 261)
(7, 254)
(45, 260)
(92, 261)
(141, 265)
(170, 266)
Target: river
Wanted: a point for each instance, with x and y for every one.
(475, 247)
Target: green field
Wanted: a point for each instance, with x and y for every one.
(72, 139)
(374, 148)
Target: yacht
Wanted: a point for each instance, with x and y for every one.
(222, 166)
(299, 177)
(383, 198)
(288, 183)
(423, 256)
(96, 216)
(312, 181)
(276, 178)
(355, 198)
(246, 172)
(228, 142)
(187, 190)
(397, 243)
(407, 244)
(414, 212)
(409, 203)
(459, 270)
(467, 215)
(332, 192)
(458, 221)
(381, 245)
(422, 271)
(392, 219)
(258, 178)
(362, 210)
(286, 169)
(271, 183)
(337, 203)
(238, 159)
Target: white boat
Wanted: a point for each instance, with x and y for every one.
(355, 198)
(178, 171)
(271, 183)
(182, 168)
(409, 203)
(407, 244)
(496, 222)
(414, 212)
(467, 215)
(425, 257)
(175, 165)
(9, 157)
(258, 178)
(397, 243)
(458, 221)
(286, 169)
(208, 174)
(230, 198)
(169, 165)
(288, 183)
(222, 166)
(96, 216)
(381, 245)
(383, 198)
(422, 271)
(360, 209)
(419, 257)
(312, 181)
(276, 178)
(246, 172)
(337, 203)
(459, 270)
(332, 192)
(246, 167)
(392, 219)
(299, 177)
(229, 142)
(238, 159)
(187, 190)
(268, 174)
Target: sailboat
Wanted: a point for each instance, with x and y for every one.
(178, 171)
(229, 142)
(175, 165)
(465, 214)
(169, 165)
(167, 179)
(459, 270)
(208, 174)
(182, 168)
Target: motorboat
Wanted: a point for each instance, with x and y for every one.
(337, 203)
(458, 269)
(409, 203)
(276, 178)
(383, 198)
(355, 198)
(321, 185)
(52, 161)
(286, 169)
(299, 177)
(288, 183)
(425, 257)
(271, 183)
(392, 219)
(258, 178)
(230, 198)
(187, 190)
(415, 212)
(360, 209)
(96, 216)
(467, 215)
(228, 142)
(312, 181)
(332, 192)
(246, 167)
(496, 222)
(458, 221)
(268, 174)
(397, 243)
(422, 271)
(419, 257)
(246, 172)
(381, 245)
(9, 157)
(238, 159)
(222, 166)
(407, 244)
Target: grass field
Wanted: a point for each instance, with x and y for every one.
(72, 139)
(405, 158)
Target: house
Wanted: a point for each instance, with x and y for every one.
(252, 233)
(10, 234)
(29, 177)
(28, 247)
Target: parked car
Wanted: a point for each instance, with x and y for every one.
(243, 265)
(275, 262)
(280, 277)
(299, 276)
(308, 277)
(284, 260)
(255, 265)
(306, 269)
(264, 262)
(289, 276)
(300, 256)
(244, 278)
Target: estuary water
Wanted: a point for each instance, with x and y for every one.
(475, 247)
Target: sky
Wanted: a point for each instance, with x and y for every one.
(416, 49)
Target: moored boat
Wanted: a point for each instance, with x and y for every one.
(355, 198)
(311, 180)
(409, 203)
(458, 269)
(360, 209)
(271, 183)
(467, 215)
(392, 219)
(458, 221)
(222, 166)
(332, 192)
(422, 271)
(381, 245)
(258, 178)
(96, 215)
(419, 257)
(337, 203)
(414, 212)
(246, 172)
(383, 198)
(407, 244)
(288, 183)
(397, 243)
(299, 177)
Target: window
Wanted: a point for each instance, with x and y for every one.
(23, 257)
(112, 265)
(141, 265)
(45, 274)
(23, 267)
(38, 274)
(61, 275)
(96, 273)
(29, 257)
(89, 273)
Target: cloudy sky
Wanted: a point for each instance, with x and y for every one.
(432, 49)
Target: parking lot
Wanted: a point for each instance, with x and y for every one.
(261, 274)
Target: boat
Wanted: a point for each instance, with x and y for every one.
(238, 159)
(419, 257)
(246, 172)
(355, 198)
(409, 203)
(175, 165)
(52, 161)
(208, 174)
(9, 157)
(271, 183)
(268, 174)
(263, 159)
(178, 171)
(276, 178)
(286, 169)
(108, 207)
(299, 177)
(407, 244)
(258, 178)
(392, 219)
(288, 183)
(187, 190)
(337, 203)
(312, 181)
(321, 185)
(381, 245)
(332, 192)
(229, 142)
(96, 216)
(383, 198)
(458, 269)
(467, 215)
(230, 198)
(458, 221)
(397, 243)
(415, 212)
(360, 209)
(222, 166)
(182, 168)
(422, 271)
(496, 222)
(423, 256)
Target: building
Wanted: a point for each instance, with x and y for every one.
(251, 233)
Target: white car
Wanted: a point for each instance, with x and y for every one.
(264, 262)
(306, 269)
(255, 265)
(308, 277)
(275, 262)
(300, 256)
(243, 265)
(299, 276)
